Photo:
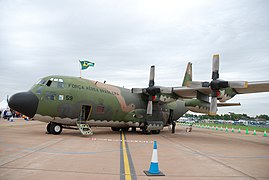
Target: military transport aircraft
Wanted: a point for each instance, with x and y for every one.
(67, 102)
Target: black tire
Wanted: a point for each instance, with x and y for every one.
(125, 129)
(144, 130)
(48, 128)
(115, 128)
(55, 128)
(155, 131)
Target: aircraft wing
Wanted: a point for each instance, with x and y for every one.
(254, 87)
(191, 92)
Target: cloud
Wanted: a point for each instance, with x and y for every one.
(124, 38)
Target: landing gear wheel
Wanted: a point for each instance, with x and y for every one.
(48, 128)
(115, 128)
(133, 129)
(125, 129)
(55, 128)
(144, 130)
(155, 131)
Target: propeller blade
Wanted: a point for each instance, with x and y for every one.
(149, 108)
(166, 90)
(238, 84)
(151, 76)
(137, 90)
(215, 67)
(213, 106)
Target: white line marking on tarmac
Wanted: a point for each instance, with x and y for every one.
(117, 140)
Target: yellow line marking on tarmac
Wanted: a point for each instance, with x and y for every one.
(116, 140)
(125, 160)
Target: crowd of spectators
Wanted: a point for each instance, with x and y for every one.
(8, 114)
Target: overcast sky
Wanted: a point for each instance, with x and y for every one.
(124, 38)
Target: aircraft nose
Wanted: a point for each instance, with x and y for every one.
(24, 102)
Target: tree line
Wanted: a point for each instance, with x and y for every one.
(231, 116)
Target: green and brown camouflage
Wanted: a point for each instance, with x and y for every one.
(202, 105)
(188, 75)
(74, 101)
(61, 99)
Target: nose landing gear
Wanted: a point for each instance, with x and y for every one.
(54, 128)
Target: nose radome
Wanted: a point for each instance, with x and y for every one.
(24, 102)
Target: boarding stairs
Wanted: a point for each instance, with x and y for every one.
(84, 128)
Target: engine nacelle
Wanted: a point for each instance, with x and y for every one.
(196, 105)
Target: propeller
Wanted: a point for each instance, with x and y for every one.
(152, 90)
(216, 84)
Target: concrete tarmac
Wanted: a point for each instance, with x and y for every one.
(27, 152)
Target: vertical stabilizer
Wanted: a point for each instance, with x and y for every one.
(188, 75)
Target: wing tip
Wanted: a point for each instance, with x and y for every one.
(246, 85)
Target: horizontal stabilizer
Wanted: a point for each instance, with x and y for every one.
(228, 104)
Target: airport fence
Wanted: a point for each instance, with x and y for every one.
(229, 128)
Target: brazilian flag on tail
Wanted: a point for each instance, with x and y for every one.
(86, 64)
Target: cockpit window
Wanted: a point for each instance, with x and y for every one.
(49, 83)
(55, 82)
(61, 83)
(42, 81)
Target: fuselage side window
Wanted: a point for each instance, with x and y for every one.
(100, 109)
(50, 95)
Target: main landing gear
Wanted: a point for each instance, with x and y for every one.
(119, 128)
(145, 131)
(54, 128)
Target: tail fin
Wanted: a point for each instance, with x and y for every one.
(188, 75)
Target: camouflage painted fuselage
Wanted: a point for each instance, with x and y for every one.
(61, 98)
